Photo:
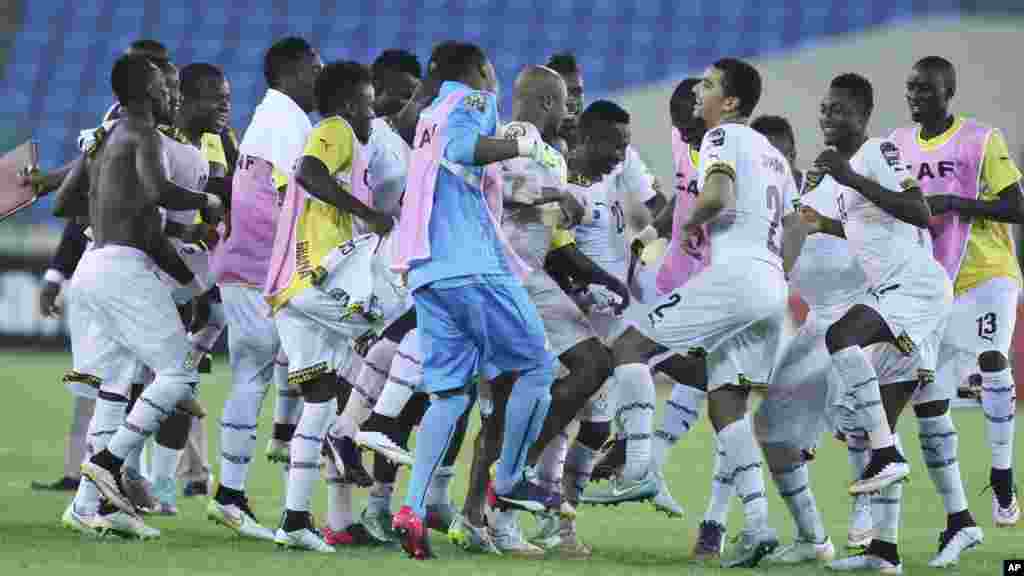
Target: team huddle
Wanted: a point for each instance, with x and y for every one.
(413, 255)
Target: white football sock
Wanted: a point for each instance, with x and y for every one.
(681, 411)
(939, 447)
(861, 382)
(305, 453)
(722, 488)
(744, 460)
(998, 400)
(795, 489)
(635, 412)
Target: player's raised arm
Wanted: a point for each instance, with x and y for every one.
(158, 188)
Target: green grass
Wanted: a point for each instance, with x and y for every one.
(630, 539)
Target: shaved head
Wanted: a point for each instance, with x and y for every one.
(538, 81)
(540, 98)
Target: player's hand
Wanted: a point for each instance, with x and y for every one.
(694, 240)
(811, 218)
(33, 177)
(831, 162)
(620, 290)
(48, 300)
(940, 203)
(536, 150)
(214, 208)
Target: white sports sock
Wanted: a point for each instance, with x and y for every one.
(237, 430)
(939, 447)
(305, 453)
(366, 388)
(289, 400)
(722, 488)
(504, 520)
(156, 404)
(795, 489)
(438, 495)
(134, 460)
(579, 465)
(78, 437)
(998, 400)
(681, 410)
(552, 462)
(744, 460)
(635, 412)
(861, 382)
(107, 417)
(379, 499)
(885, 509)
(403, 379)
(858, 452)
(339, 500)
(163, 461)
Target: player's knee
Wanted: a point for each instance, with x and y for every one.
(835, 339)
(992, 361)
(932, 409)
(593, 435)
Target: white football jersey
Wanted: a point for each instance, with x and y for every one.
(603, 237)
(765, 191)
(187, 168)
(387, 167)
(880, 242)
(528, 228)
(826, 274)
(636, 181)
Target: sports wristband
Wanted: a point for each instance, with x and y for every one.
(525, 146)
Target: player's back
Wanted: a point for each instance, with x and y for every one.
(118, 211)
(764, 191)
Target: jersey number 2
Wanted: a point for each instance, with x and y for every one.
(774, 200)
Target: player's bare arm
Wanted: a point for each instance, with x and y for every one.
(313, 175)
(719, 192)
(1007, 207)
(72, 197)
(908, 205)
(794, 232)
(158, 189)
(569, 260)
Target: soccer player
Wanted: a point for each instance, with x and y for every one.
(728, 318)
(683, 407)
(269, 150)
(396, 76)
(538, 207)
(316, 318)
(779, 132)
(973, 188)
(470, 308)
(881, 213)
(126, 180)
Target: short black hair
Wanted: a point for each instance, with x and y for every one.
(740, 80)
(338, 81)
(602, 112)
(284, 53)
(941, 66)
(564, 63)
(130, 77)
(397, 60)
(151, 49)
(193, 75)
(459, 59)
(438, 55)
(683, 90)
(859, 88)
(773, 126)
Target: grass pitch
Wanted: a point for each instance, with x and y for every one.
(630, 539)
